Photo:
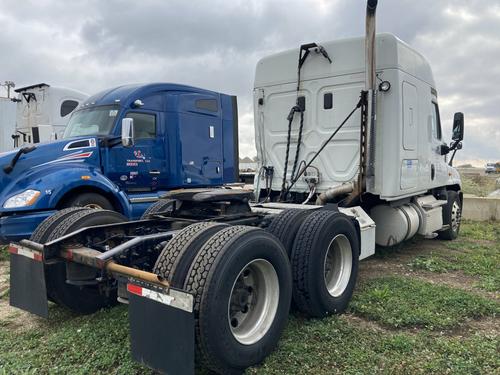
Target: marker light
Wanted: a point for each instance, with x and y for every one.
(384, 86)
(24, 199)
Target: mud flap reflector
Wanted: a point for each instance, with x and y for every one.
(161, 328)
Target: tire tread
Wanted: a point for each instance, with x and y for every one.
(197, 277)
(175, 248)
(40, 233)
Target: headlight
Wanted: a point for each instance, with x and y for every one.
(25, 199)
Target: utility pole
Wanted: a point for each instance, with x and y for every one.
(8, 85)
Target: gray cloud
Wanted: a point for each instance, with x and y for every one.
(95, 44)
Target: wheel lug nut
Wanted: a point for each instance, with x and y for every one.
(234, 322)
(244, 310)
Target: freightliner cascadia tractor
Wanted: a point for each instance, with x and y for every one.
(351, 155)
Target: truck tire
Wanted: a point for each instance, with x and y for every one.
(80, 299)
(45, 228)
(90, 200)
(178, 254)
(163, 205)
(325, 260)
(241, 283)
(452, 216)
(285, 226)
(86, 218)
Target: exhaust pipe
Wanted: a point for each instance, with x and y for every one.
(371, 9)
(370, 85)
(334, 192)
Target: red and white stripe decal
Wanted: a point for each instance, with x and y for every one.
(32, 254)
(151, 294)
(76, 156)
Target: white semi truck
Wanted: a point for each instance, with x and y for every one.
(399, 173)
(7, 123)
(38, 114)
(351, 154)
(43, 112)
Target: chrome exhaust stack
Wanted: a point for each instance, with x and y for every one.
(371, 8)
(370, 86)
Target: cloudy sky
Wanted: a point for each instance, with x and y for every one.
(92, 45)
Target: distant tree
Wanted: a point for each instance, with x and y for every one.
(465, 166)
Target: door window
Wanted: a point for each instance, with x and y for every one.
(436, 122)
(144, 125)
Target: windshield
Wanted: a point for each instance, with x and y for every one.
(91, 121)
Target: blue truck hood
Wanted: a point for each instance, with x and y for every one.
(46, 157)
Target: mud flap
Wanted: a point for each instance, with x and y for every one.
(27, 281)
(161, 328)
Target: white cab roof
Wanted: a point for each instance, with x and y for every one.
(348, 57)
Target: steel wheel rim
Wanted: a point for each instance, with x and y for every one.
(338, 265)
(253, 302)
(456, 216)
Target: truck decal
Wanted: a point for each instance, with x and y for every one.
(75, 157)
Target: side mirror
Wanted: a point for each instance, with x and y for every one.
(444, 150)
(128, 132)
(458, 127)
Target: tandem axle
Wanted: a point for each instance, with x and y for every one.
(131, 262)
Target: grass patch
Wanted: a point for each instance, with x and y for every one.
(473, 230)
(475, 253)
(66, 343)
(99, 343)
(4, 254)
(405, 302)
(478, 185)
(431, 263)
(336, 346)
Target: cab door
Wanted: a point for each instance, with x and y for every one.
(142, 167)
(439, 171)
(410, 164)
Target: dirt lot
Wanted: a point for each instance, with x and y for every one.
(424, 307)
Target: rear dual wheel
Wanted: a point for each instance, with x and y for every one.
(163, 206)
(323, 248)
(240, 278)
(286, 224)
(83, 299)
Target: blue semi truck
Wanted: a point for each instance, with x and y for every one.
(182, 137)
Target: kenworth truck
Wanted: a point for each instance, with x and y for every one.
(350, 155)
(184, 136)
